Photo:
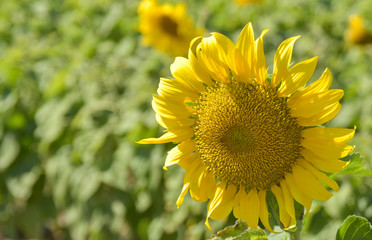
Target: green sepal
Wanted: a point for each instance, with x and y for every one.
(240, 231)
(191, 104)
(273, 208)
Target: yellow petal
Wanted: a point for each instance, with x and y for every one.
(176, 135)
(320, 85)
(246, 47)
(264, 213)
(222, 203)
(260, 60)
(311, 187)
(193, 46)
(201, 183)
(327, 149)
(180, 152)
(237, 210)
(284, 217)
(299, 75)
(213, 56)
(188, 163)
(325, 116)
(172, 89)
(288, 199)
(282, 60)
(199, 68)
(226, 50)
(323, 162)
(193, 170)
(250, 205)
(170, 109)
(171, 123)
(185, 188)
(297, 193)
(319, 175)
(243, 73)
(161, 121)
(181, 69)
(333, 135)
(192, 176)
(313, 104)
(208, 185)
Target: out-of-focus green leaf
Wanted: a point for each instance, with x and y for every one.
(9, 150)
(356, 167)
(355, 228)
(22, 176)
(278, 236)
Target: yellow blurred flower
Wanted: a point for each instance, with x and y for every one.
(243, 132)
(167, 27)
(244, 2)
(356, 32)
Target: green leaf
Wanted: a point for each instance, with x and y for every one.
(22, 175)
(354, 228)
(9, 150)
(356, 166)
(239, 231)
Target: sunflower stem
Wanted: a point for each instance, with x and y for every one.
(295, 233)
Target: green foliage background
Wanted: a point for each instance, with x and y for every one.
(75, 96)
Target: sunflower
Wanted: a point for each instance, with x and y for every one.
(242, 132)
(356, 32)
(166, 27)
(244, 2)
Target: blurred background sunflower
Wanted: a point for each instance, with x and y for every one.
(167, 28)
(76, 84)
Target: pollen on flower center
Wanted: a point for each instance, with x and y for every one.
(245, 134)
(238, 139)
(168, 25)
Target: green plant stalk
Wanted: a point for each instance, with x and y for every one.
(296, 232)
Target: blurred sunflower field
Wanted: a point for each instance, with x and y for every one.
(76, 85)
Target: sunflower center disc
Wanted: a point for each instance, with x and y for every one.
(168, 25)
(245, 134)
(238, 139)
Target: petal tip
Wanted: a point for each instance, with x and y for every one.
(207, 224)
(143, 141)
